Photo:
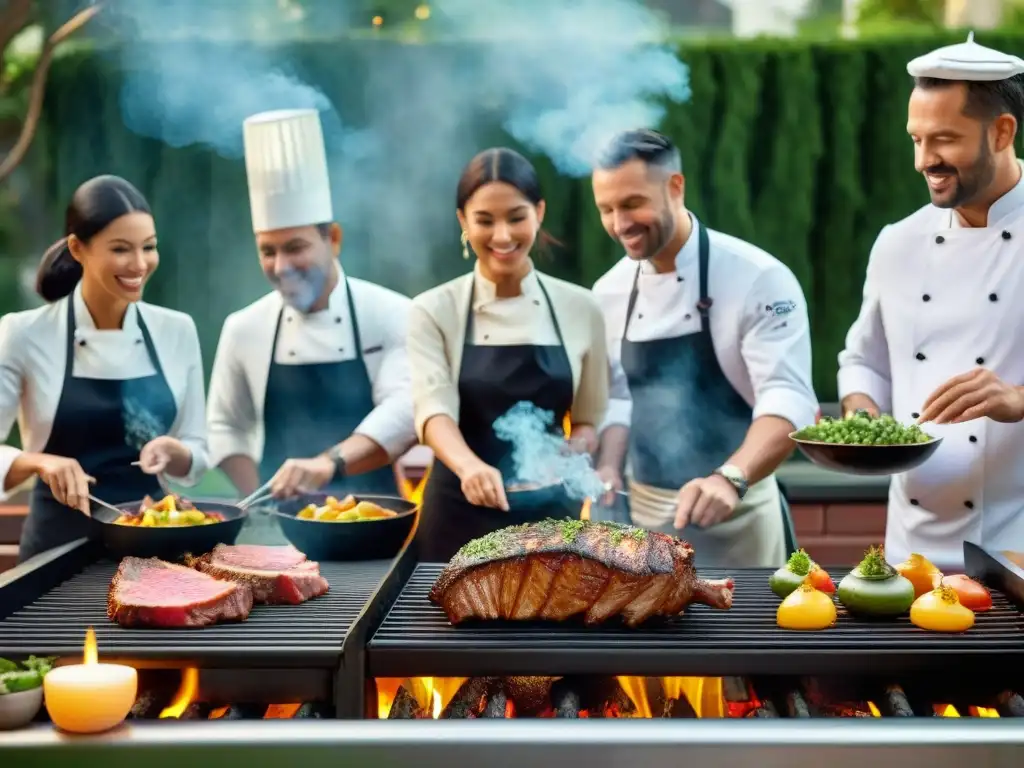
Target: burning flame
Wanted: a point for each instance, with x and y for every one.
(431, 693)
(875, 712)
(945, 710)
(414, 491)
(983, 712)
(585, 511)
(185, 695)
(89, 653)
(705, 694)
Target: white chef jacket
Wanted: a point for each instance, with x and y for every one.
(33, 348)
(940, 300)
(238, 384)
(759, 325)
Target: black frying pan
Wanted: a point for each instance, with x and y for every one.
(358, 540)
(167, 543)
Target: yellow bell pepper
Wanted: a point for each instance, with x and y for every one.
(940, 611)
(806, 609)
(920, 572)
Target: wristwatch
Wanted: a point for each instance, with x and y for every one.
(334, 454)
(735, 476)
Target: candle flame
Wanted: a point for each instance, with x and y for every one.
(89, 652)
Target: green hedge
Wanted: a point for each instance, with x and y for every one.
(799, 147)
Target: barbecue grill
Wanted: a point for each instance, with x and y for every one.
(305, 653)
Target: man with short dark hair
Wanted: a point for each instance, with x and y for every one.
(711, 363)
(938, 336)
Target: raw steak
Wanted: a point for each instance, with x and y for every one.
(558, 569)
(152, 593)
(276, 575)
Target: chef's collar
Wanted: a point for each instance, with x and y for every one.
(83, 318)
(486, 292)
(687, 253)
(1008, 204)
(338, 299)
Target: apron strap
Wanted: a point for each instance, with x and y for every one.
(147, 339)
(551, 311)
(69, 351)
(355, 320)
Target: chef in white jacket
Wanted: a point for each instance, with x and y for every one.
(938, 336)
(710, 352)
(310, 387)
(107, 390)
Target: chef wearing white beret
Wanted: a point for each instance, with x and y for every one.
(937, 339)
(310, 384)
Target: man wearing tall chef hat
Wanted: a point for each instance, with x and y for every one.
(310, 387)
(938, 336)
(711, 363)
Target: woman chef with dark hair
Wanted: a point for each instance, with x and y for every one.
(484, 342)
(108, 390)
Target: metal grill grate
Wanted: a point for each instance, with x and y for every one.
(416, 639)
(283, 635)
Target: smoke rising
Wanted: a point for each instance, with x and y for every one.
(543, 458)
(559, 76)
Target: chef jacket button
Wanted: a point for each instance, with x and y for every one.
(679, 278)
(915, 415)
(288, 319)
(979, 360)
(926, 297)
(640, 317)
(292, 353)
(1006, 235)
(973, 439)
(341, 349)
(138, 341)
(536, 302)
(81, 342)
(486, 336)
(919, 355)
(993, 297)
(337, 319)
(969, 504)
(940, 239)
(915, 502)
(686, 316)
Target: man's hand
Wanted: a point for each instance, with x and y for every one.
(860, 402)
(971, 396)
(612, 478)
(705, 501)
(162, 452)
(301, 476)
(483, 485)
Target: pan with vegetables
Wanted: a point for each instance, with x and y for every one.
(864, 445)
(169, 528)
(21, 690)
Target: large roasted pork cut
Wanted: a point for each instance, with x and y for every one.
(276, 575)
(151, 593)
(554, 570)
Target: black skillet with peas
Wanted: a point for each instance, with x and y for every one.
(862, 429)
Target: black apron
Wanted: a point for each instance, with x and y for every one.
(103, 424)
(492, 379)
(309, 408)
(678, 381)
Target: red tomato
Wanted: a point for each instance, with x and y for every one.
(972, 594)
(821, 581)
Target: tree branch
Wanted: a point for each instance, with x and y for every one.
(38, 89)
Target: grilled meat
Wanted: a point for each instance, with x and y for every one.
(555, 570)
(275, 575)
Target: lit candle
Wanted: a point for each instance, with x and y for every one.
(89, 697)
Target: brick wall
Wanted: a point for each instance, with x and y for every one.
(838, 534)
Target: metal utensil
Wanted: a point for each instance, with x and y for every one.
(164, 487)
(260, 494)
(104, 504)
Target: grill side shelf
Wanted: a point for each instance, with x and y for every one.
(28, 581)
(416, 638)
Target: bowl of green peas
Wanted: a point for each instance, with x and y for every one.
(861, 444)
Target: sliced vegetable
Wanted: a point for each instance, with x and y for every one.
(940, 611)
(971, 594)
(874, 588)
(790, 576)
(920, 572)
(806, 608)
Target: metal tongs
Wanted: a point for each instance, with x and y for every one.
(259, 495)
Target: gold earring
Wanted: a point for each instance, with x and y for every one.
(465, 244)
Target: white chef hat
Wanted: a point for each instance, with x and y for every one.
(286, 165)
(966, 61)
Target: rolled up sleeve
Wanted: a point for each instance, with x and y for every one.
(191, 425)
(434, 393)
(776, 348)
(390, 424)
(591, 402)
(864, 362)
(11, 370)
(232, 429)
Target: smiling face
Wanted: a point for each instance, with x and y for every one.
(119, 259)
(953, 150)
(639, 206)
(501, 224)
(298, 262)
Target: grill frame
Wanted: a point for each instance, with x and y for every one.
(30, 593)
(415, 639)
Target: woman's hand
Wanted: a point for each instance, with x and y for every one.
(302, 476)
(165, 454)
(66, 479)
(483, 485)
